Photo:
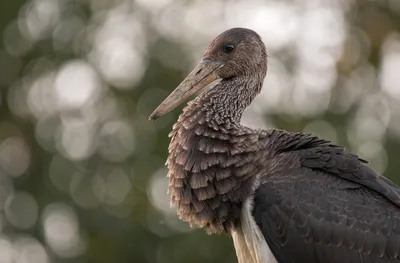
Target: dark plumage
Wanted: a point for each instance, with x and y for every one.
(311, 200)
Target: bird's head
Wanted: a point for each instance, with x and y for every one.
(236, 53)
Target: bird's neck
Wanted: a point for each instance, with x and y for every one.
(213, 161)
(225, 102)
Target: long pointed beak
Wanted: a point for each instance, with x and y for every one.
(199, 78)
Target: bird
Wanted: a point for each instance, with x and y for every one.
(283, 197)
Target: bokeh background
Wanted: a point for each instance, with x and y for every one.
(82, 175)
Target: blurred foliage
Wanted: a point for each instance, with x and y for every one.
(82, 175)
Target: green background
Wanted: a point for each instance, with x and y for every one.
(128, 220)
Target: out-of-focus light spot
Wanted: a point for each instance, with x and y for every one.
(365, 129)
(29, 250)
(107, 109)
(177, 225)
(371, 120)
(77, 140)
(116, 141)
(119, 22)
(112, 186)
(61, 172)
(18, 98)
(389, 74)
(66, 31)
(316, 57)
(22, 210)
(81, 190)
(322, 129)
(61, 231)
(361, 81)
(376, 105)
(157, 192)
(318, 47)
(351, 52)
(350, 91)
(7, 251)
(201, 25)
(38, 17)
(356, 49)
(170, 23)
(317, 79)
(14, 156)
(46, 131)
(276, 22)
(368, 76)
(119, 62)
(39, 66)
(375, 153)
(6, 190)
(308, 103)
(14, 41)
(118, 49)
(42, 99)
(159, 198)
(77, 84)
(275, 85)
(255, 119)
(325, 32)
(154, 5)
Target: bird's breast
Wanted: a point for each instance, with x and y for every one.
(206, 182)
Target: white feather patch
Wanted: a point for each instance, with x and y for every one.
(249, 242)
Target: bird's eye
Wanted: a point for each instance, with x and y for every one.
(228, 48)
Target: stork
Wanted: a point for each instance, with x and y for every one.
(283, 197)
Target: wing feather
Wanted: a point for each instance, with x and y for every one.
(331, 229)
(330, 207)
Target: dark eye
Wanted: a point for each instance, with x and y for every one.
(228, 48)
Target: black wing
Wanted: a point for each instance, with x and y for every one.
(330, 208)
